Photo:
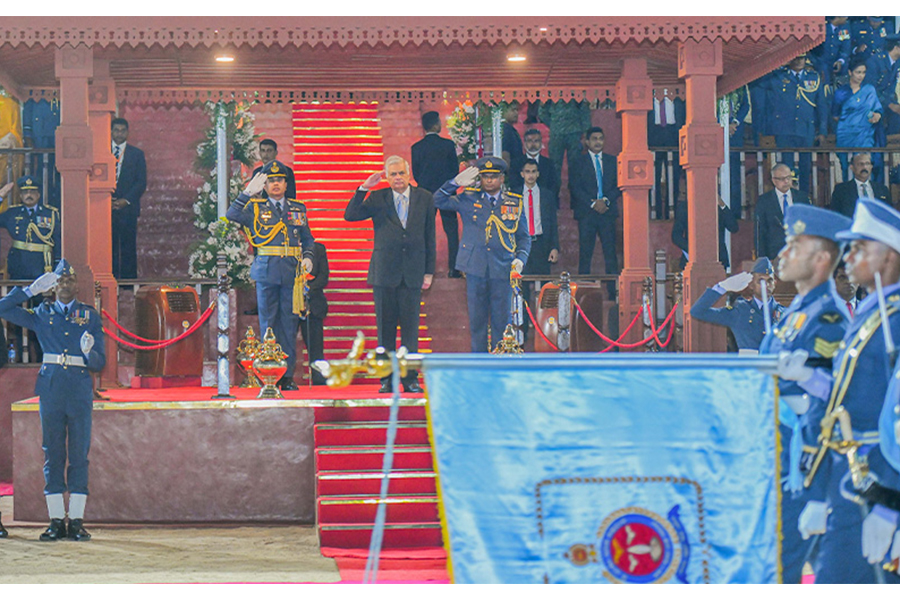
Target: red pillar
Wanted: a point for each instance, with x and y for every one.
(702, 150)
(74, 158)
(633, 100)
(102, 97)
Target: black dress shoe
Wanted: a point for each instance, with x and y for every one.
(454, 274)
(77, 532)
(412, 387)
(287, 384)
(386, 388)
(56, 531)
(252, 311)
(3, 532)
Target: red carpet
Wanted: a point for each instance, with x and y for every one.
(6, 488)
(406, 565)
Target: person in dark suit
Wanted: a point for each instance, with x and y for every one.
(845, 195)
(595, 201)
(770, 212)
(434, 161)
(540, 205)
(402, 263)
(548, 178)
(131, 181)
(727, 220)
(312, 326)
(268, 152)
(512, 148)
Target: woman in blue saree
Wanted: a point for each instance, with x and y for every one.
(856, 109)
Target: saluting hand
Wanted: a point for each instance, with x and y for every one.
(736, 283)
(372, 181)
(44, 283)
(256, 185)
(5, 189)
(467, 177)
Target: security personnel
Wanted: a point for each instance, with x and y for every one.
(797, 112)
(495, 241)
(278, 228)
(815, 321)
(71, 334)
(867, 36)
(859, 375)
(833, 55)
(35, 231)
(745, 318)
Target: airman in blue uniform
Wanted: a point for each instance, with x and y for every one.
(882, 68)
(867, 36)
(71, 334)
(278, 228)
(745, 318)
(857, 382)
(35, 231)
(833, 55)
(494, 242)
(797, 112)
(815, 321)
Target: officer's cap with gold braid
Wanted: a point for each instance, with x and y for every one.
(27, 182)
(275, 169)
(64, 268)
(874, 220)
(491, 164)
(763, 265)
(803, 219)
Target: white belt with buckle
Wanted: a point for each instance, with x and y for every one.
(747, 352)
(64, 360)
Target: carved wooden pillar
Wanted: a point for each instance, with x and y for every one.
(702, 150)
(633, 100)
(102, 97)
(74, 158)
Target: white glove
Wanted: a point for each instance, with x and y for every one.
(87, 342)
(736, 283)
(44, 283)
(792, 366)
(877, 533)
(813, 519)
(518, 265)
(467, 177)
(256, 185)
(307, 265)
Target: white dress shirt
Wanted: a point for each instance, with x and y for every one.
(536, 194)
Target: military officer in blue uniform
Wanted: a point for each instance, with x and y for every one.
(833, 55)
(71, 334)
(35, 231)
(745, 318)
(797, 112)
(857, 382)
(867, 36)
(815, 321)
(278, 228)
(881, 72)
(495, 241)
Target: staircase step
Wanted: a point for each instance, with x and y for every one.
(368, 433)
(329, 483)
(362, 509)
(330, 414)
(372, 457)
(396, 535)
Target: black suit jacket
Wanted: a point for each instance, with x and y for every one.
(401, 256)
(769, 222)
(132, 183)
(845, 195)
(434, 161)
(727, 220)
(318, 305)
(547, 178)
(549, 206)
(290, 180)
(583, 185)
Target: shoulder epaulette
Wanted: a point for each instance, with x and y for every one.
(473, 189)
(257, 200)
(295, 201)
(29, 311)
(53, 208)
(513, 194)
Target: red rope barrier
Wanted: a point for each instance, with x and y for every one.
(617, 344)
(156, 344)
(624, 333)
(662, 326)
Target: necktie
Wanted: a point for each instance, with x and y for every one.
(403, 209)
(784, 203)
(530, 213)
(116, 153)
(662, 113)
(66, 310)
(850, 308)
(599, 170)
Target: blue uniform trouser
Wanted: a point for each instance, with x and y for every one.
(66, 435)
(276, 304)
(488, 298)
(797, 141)
(793, 546)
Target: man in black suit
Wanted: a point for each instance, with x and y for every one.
(402, 263)
(548, 178)
(131, 181)
(434, 161)
(844, 196)
(727, 220)
(594, 199)
(313, 326)
(268, 153)
(511, 146)
(540, 204)
(770, 209)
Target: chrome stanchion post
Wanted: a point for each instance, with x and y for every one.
(564, 313)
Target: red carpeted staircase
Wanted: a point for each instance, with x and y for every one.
(336, 147)
(349, 456)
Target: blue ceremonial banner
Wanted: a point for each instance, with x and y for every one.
(645, 468)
